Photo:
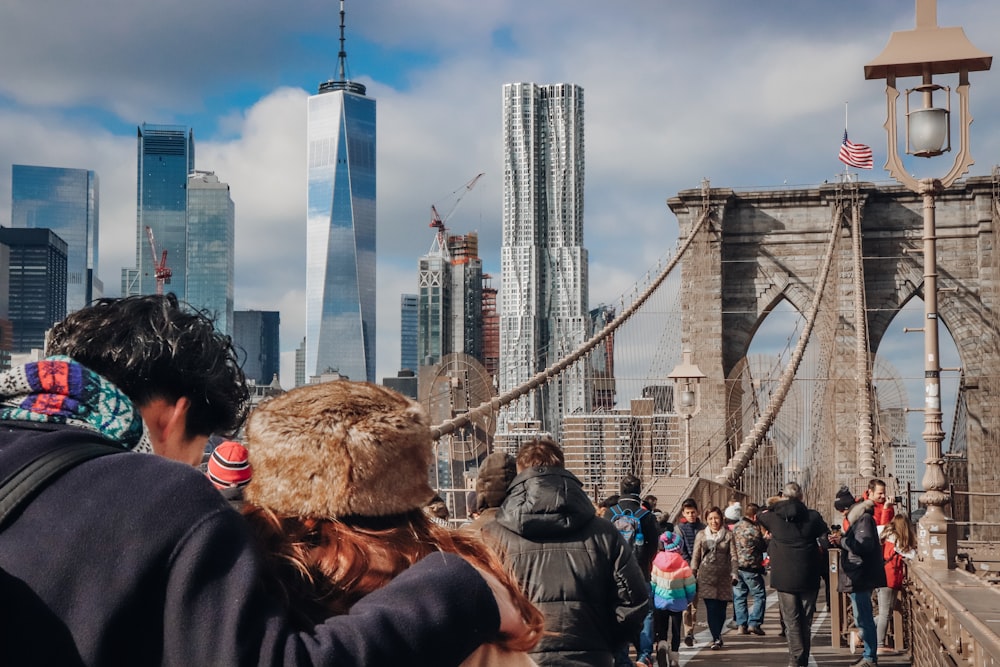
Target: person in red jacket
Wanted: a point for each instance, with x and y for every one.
(884, 510)
(899, 545)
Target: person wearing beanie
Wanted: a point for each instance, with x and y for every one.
(338, 494)
(750, 546)
(229, 471)
(861, 567)
(674, 589)
(733, 513)
(496, 473)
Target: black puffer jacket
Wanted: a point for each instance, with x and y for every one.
(861, 566)
(575, 567)
(796, 556)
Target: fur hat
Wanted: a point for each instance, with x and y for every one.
(734, 512)
(671, 541)
(339, 449)
(228, 466)
(845, 499)
(495, 474)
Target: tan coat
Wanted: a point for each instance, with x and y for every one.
(716, 567)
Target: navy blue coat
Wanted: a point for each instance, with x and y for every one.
(861, 566)
(132, 559)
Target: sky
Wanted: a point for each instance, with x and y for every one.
(745, 94)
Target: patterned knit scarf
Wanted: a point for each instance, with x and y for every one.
(58, 390)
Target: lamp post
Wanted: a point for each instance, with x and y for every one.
(687, 399)
(926, 52)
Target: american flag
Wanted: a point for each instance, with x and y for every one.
(855, 155)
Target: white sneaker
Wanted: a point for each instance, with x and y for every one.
(853, 640)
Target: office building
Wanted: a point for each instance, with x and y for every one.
(165, 158)
(211, 248)
(255, 335)
(300, 364)
(340, 228)
(408, 332)
(37, 284)
(67, 201)
(544, 287)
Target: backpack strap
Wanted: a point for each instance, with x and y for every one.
(617, 511)
(33, 476)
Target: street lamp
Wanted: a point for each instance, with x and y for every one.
(926, 52)
(687, 399)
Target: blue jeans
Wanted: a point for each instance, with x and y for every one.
(751, 583)
(861, 602)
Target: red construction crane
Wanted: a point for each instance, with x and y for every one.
(438, 222)
(161, 271)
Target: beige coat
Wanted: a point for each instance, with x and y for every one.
(716, 567)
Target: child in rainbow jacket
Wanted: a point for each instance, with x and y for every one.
(674, 588)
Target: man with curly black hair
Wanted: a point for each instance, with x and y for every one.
(132, 559)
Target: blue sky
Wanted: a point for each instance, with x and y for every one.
(744, 93)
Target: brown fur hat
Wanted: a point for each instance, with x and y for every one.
(339, 449)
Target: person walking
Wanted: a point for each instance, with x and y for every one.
(861, 567)
(688, 526)
(796, 561)
(497, 471)
(574, 566)
(899, 546)
(674, 587)
(714, 565)
(750, 546)
(631, 508)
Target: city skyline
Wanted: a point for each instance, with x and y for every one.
(707, 96)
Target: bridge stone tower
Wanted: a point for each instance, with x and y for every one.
(763, 246)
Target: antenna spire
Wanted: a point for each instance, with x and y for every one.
(340, 82)
(342, 56)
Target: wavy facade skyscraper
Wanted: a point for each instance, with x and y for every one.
(544, 266)
(340, 228)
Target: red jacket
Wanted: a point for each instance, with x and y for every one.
(895, 565)
(883, 512)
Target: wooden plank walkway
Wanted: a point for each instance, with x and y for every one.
(771, 649)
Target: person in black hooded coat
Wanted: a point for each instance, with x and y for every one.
(573, 565)
(796, 533)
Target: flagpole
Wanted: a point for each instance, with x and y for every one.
(847, 169)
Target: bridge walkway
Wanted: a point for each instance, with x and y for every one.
(771, 650)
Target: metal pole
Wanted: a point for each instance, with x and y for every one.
(936, 530)
(687, 446)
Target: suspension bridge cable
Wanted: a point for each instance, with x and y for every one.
(733, 470)
(541, 378)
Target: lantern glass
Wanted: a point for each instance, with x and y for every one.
(687, 398)
(928, 131)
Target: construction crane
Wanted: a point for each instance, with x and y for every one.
(161, 271)
(437, 221)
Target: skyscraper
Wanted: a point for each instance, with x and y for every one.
(544, 264)
(210, 248)
(37, 284)
(67, 201)
(165, 158)
(255, 333)
(450, 301)
(340, 228)
(408, 332)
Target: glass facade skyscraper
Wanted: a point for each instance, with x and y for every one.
(340, 230)
(210, 248)
(37, 292)
(408, 332)
(544, 290)
(165, 158)
(67, 201)
(255, 334)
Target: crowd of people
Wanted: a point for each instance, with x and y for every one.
(318, 540)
